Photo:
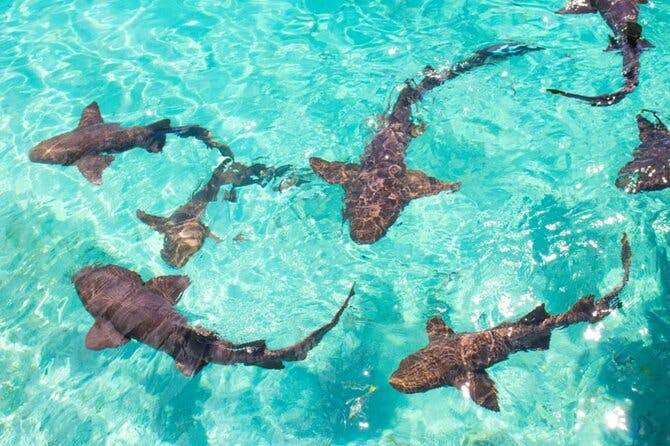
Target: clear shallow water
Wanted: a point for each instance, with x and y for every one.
(537, 219)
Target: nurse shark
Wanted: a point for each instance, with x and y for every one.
(184, 230)
(380, 186)
(650, 168)
(460, 359)
(88, 145)
(621, 16)
(125, 307)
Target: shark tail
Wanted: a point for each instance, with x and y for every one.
(603, 100)
(156, 138)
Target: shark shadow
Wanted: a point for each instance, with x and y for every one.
(184, 230)
(86, 145)
(650, 168)
(460, 359)
(125, 307)
(377, 189)
(621, 16)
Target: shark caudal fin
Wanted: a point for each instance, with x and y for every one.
(156, 138)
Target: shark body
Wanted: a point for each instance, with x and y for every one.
(380, 186)
(125, 307)
(622, 18)
(460, 359)
(90, 144)
(184, 230)
(650, 168)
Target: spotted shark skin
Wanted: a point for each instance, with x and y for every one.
(650, 168)
(125, 307)
(380, 186)
(460, 359)
(185, 233)
(88, 146)
(622, 18)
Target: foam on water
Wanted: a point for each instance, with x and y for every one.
(537, 219)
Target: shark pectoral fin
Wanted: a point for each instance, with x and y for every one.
(170, 287)
(103, 335)
(90, 116)
(91, 166)
(578, 7)
(417, 184)
(435, 327)
(334, 172)
(157, 223)
(535, 317)
(480, 387)
(213, 236)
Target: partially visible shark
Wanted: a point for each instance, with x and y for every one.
(460, 359)
(184, 230)
(125, 307)
(621, 16)
(377, 189)
(650, 167)
(86, 145)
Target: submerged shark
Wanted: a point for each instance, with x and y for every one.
(377, 189)
(621, 16)
(125, 307)
(460, 359)
(650, 167)
(184, 230)
(86, 145)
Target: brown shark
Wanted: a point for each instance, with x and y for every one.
(377, 189)
(621, 16)
(460, 359)
(184, 230)
(86, 146)
(125, 307)
(650, 168)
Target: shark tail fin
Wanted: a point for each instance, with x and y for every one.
(156, 139)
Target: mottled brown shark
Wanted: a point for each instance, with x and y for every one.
(184, 230)
(377, 189)
(650, 168)
(622, 17)
(460, 359)
(125, 307)
(88, 146)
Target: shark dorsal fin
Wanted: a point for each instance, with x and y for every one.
(334, 172)
(103, 335)
(169, 287)
(536, 316)
(157, 223)
(90, 116)
(480, 387)
(435, 327)
(91, 166)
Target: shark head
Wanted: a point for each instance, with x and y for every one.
(182, 241)
(90, 281)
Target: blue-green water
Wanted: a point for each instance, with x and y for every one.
(537, 219)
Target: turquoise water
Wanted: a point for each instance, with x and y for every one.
(537, 219)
